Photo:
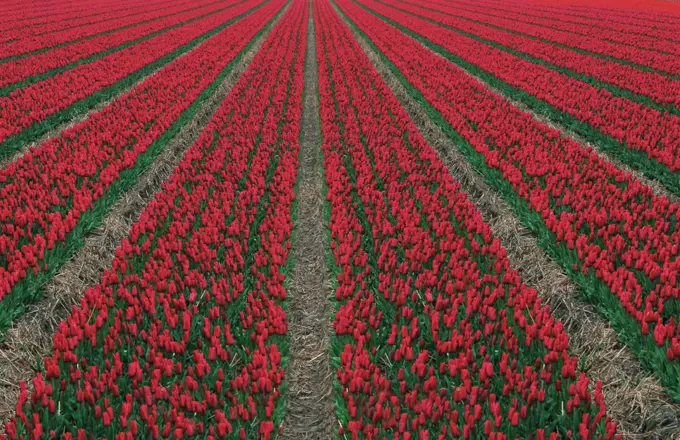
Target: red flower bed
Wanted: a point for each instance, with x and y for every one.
(59, 189)
(614, 29)
(668, 62)
(435, 335)
(34, 103)
(605, 227)
(19, 30)
(641, 23)
(656, 14)
(29, 43)
(663, 89)
(632, 124)
(185, 335)
(547, 28)
(15, 14)
(18, 70)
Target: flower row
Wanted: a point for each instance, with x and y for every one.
(663, 57)
(623, 123)
(18, 14)
(435, 335)
(20, 30)
(29, 44)
(661, 61)
(185, 334)
(652, 23)
(59, 190)
(546, 26)
(35, 103)
(640, 24)
(19, 70)
(664, 90)
(607, 229)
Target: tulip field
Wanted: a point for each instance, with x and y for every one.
(220, 130)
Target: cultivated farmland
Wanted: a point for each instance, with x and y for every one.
(339, 219)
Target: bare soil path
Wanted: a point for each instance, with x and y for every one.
(310, 401)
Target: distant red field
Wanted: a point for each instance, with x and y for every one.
(638, 5)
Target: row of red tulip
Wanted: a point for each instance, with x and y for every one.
(18, 70)
(647, 22)
(16, 13)
(546, 27)
(435, 335)
(654, 29)
(661, 61)
(183, 336)
(664, 90)
(57, 191)
(30, 44)
(657, 19)
(22, 31)
(607, 229)
(629, 124)
(35, 9)
(32, 104)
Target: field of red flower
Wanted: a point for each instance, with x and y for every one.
(609, 230)
(569, 113)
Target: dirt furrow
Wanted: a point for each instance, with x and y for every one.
(310, 400)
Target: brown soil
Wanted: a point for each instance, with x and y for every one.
(310, 399)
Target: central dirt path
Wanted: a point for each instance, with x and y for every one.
(310, 412)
